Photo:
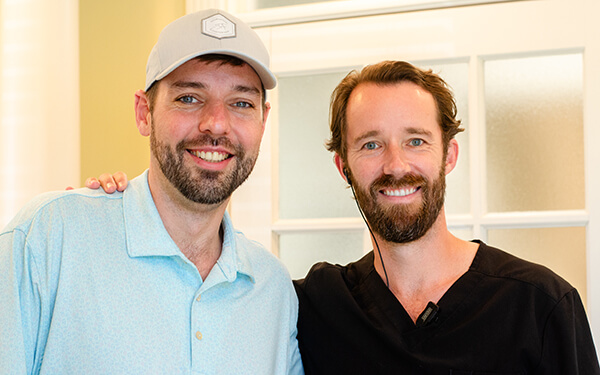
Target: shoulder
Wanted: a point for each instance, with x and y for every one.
(59, 204)
(324, 276)
(497, 263)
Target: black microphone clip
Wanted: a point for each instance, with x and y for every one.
(428, 315)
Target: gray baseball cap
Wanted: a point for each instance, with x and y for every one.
(205, 32)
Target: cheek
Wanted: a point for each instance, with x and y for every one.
(250, 137)
(176, 126)
(364, 171)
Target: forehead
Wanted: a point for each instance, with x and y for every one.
(213, 76)
(396, 106)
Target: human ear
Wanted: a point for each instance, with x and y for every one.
(266, 111)
(451, 155)
(143, 116)
(341, 167)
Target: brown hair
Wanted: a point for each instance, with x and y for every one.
(386, 73)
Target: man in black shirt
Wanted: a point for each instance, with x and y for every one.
(424, 301)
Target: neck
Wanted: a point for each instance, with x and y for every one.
(423, 270)
(195, 228)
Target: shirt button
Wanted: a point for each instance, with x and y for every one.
(198, 298)
(198, 335)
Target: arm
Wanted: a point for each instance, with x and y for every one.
(21, 307)
(295, 361)
(568, 346)
(110, 183)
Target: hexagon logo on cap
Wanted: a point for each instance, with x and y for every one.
(218, 27)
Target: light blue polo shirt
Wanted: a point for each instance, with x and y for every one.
(92, 283)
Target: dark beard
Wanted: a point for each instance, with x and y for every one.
(197, 185)
(403, 223)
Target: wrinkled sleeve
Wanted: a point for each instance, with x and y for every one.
(20, 305)
(568, 346)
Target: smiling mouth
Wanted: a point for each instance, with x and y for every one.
(400, 192)
(211, 157)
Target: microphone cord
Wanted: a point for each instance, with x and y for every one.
(387, 280)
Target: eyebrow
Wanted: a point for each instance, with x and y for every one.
(419, 132)
(368, 134)
(411, 130)
(247, 89)
(202, 86)
(188, 84)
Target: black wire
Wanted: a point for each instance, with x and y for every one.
(387, 280)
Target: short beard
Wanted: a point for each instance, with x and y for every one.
(403, 223)
(195, 184)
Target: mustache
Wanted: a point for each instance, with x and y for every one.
(388, 181)
(207, 140)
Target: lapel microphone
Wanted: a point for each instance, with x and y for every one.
(428, 315)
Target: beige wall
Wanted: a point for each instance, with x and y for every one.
(116, 37)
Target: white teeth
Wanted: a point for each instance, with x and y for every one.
(399, 192)
(214, 157)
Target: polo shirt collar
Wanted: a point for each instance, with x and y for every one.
(146, 234)
(234, 258)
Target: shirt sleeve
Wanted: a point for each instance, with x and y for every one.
(568, 346)
(20, 306)
(295, 360)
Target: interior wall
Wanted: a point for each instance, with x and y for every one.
(39, 103)
(115, 40)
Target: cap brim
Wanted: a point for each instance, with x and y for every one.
(266, 76)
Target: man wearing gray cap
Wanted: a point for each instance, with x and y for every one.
(156, 280)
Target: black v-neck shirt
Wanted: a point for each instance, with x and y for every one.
(503, 316)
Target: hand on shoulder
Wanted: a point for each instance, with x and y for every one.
(110, 183)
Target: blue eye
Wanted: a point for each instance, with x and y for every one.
(187, 99)
(243, 105)
(370, 145)
(416, 142)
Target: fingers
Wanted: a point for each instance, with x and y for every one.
(108, 183)
(121, 180)
(92, 183)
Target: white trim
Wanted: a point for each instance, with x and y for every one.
(329, 10)
(536, 219)
(525, 219)
(477, 145)
(318, 225)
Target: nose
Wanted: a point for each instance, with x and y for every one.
(395, 161)
(215, 119)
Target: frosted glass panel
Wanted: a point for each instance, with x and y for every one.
(563, 250)
(458, 187)
(309, 184)
(300, 251)
(534, 122)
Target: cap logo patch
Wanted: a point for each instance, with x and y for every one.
(218, 27)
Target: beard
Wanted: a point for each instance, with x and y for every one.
(403, 223)
(195, 184)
